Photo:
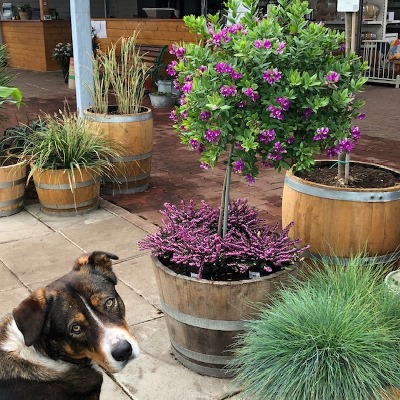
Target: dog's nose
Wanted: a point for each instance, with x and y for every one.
(122, 351)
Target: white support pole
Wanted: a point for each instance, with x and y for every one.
(82, 45)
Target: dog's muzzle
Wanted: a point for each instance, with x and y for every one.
(122, 351)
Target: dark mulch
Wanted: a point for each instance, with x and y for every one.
(361, 176)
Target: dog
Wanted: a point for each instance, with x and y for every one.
(53, 343)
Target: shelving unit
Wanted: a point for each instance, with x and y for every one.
(377, 36)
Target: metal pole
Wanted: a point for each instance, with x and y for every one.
(82, 45)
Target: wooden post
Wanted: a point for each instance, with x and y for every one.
(44, 8)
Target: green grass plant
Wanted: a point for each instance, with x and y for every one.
(71, 143)
(332, 336)
(122, 71)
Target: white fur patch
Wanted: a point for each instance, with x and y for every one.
(112, 335)
(15, 344)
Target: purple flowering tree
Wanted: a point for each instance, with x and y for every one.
(270, 92)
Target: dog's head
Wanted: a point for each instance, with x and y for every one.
(80, 318)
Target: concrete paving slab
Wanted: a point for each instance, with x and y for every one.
(114, 235)
(157, 375)
(9, 299)
(137, 273)
(20, 226)
(111, 391)
(8, 279)
(138, 310)
(36, 259)
(61, 223)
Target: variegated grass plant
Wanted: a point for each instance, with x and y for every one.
(71, 143)
(124, 73)
(332, 336)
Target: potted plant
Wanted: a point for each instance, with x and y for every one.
(333, 336)
(62, 54)
(163, 99)
(67, 159)
(12, 171)
(117, 110)
(25, 11)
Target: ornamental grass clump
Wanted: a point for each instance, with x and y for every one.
(189, 242)
(332, 336)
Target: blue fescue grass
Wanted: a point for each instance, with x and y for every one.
(334, 336)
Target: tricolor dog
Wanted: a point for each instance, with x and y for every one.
(53, 342)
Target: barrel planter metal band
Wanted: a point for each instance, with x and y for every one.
(204, 317)
(12, 188)
(57, 198)
(342, 222)
(134, 133)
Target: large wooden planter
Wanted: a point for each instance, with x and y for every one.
(342, 221)
(134, 133)
(57, 198)
(204, 317)
(12, 188)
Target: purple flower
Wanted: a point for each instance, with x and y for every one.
(332, 152)
(290, 140)
(228, 91)
(241, 104)
(202, 68)
(284, 102)
(173, 116)
(236, 75)
(204, 165)
(345, 145)
(250, 179)
(280, 47)
(179, 52)
(187, 87)
(199, 147)
(332, 78)
(361, 116)
(276, 112)
(238, 165)
(250, 92)
(307, 112)
(205, 115)
(239, 146)
(235, 28)
(212, 136)
(258, 44)
(267, 269)
(322, 133)
(272, 75)
(277, 152)
(171, 68)
(355, 133)
(266, 136)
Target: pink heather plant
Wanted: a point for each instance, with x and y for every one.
(281, 74)
(189, 238)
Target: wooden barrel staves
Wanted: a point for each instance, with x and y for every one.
(342, 222)
(57, 198)
(204, 317)
(12, 188)
(134, 133)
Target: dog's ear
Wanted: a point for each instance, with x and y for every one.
(100, 261)
(30, 315)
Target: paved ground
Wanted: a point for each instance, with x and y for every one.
(35, 249)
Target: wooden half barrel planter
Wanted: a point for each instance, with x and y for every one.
(343, 221)
(134, 133)
(204, 317)
(12, 188)
(56, 196)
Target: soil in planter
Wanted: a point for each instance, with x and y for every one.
(361, 176)
(216, 274)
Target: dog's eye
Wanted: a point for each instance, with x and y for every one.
(109, 304)
(76, 329)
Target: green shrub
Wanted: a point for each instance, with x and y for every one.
(335, 337)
